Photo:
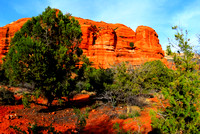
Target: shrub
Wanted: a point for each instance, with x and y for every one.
(81, 118)
(45, 52)
(95, 106)
(129, 115)
(26, 98)
(3, 79)
(123, 116)
(100, 77)
(92, 79)
(153, 75)
(129, 82)
(6, 96)
(35, 129)
(134, 114)
(131, 45)
(119, 130)
(122, 86)
(182, 114)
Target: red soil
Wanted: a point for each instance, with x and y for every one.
(100, 120)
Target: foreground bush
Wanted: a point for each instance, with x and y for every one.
(182, 115)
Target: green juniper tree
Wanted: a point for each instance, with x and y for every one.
(182, 115)
(45, 53)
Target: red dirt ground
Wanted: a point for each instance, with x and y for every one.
(100, 120)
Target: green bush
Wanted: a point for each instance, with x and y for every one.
(26, 100)
(122, 116)
(182, 115)
(130, 115)
(130, 82)
(92, 79)
(6, 97)
(153, 75)
(134, 114)
(119, 130)
(35, 129)
(98, 77)
(131, 45)
(81, 118)
(122, 86)
(95, 106)
(3, 79)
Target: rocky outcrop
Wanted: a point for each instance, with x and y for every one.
(104, 44)
(7, 32)
(107, 44)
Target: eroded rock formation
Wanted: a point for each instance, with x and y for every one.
(7, 32)
(104, 44)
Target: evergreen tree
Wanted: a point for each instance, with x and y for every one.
(45, 53)
(182, 114)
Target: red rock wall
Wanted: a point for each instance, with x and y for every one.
(107, 44)
(104, 44)
(7, 32)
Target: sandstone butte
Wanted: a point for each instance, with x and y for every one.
(103, 43)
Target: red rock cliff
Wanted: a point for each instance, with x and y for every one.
(7, 32)
(104, 44)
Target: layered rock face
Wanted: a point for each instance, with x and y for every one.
(7, 32)
(104, 44)
(107, 44)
